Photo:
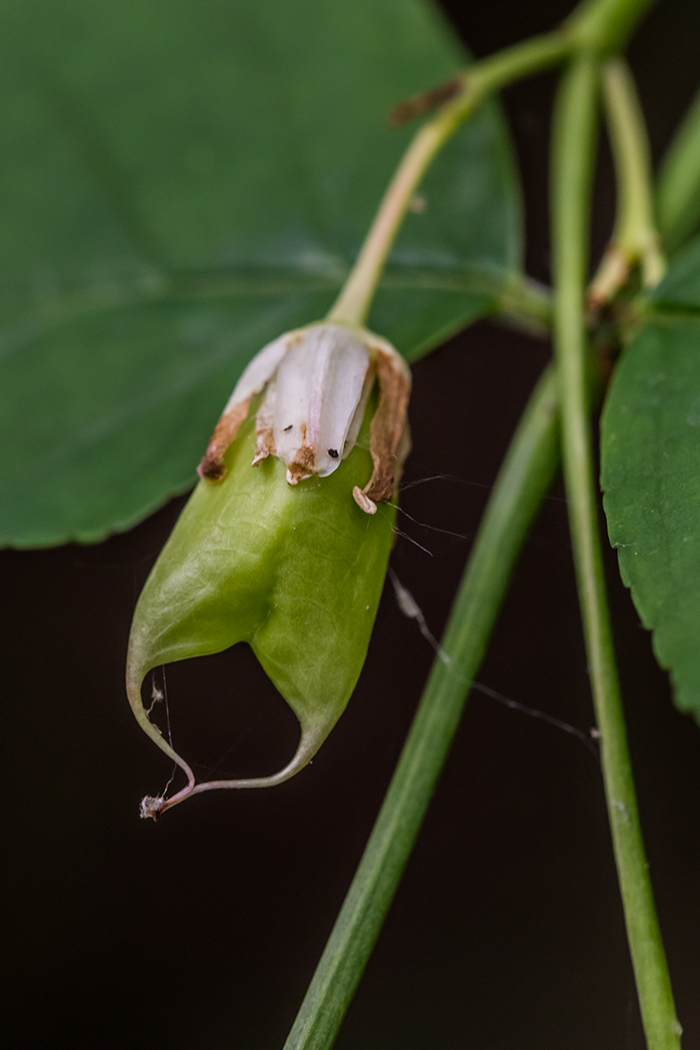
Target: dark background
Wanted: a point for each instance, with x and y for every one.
(203, 931)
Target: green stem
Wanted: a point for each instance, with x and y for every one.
(514, 300)
(481, 80)
(603, 26)
(594, 25)
(521, 486)
(635, 240)
(527, 305)
(678, 192)
(573, 148)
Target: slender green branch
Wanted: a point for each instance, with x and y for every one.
(601, 26)
(353, 303)
(594, 24)
(481, 80)
(634, 240)
(524, 479)
(527, 305)
(573, 147)
(678, 193)
(514, 299)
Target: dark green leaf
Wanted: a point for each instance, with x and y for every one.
(680, 288)
(182, 181)
(651, 479)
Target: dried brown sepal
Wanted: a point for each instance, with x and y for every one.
(389, 442)
(427, 101)
(212, 465)
(404, 447)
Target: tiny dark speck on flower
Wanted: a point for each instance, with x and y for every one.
(333, 453)
(287, 429)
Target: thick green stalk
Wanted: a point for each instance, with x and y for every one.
(523, 481)
(573, 148)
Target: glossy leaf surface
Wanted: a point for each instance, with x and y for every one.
(651, 480)
(182, 181)
(295, 571)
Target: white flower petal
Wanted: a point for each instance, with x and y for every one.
(357, 419)
(318, 380)
(320, 383)
(264, 423)
(259, 371)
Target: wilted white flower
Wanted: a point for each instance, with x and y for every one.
(316, 383)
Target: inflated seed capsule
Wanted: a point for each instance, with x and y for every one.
(280, 545)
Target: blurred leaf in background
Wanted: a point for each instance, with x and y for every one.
(184, 181)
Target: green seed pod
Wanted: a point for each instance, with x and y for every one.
(285, 560)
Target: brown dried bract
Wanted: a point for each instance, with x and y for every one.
(212, 465)
(302, 466)
(389, 442)
(426, 102)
